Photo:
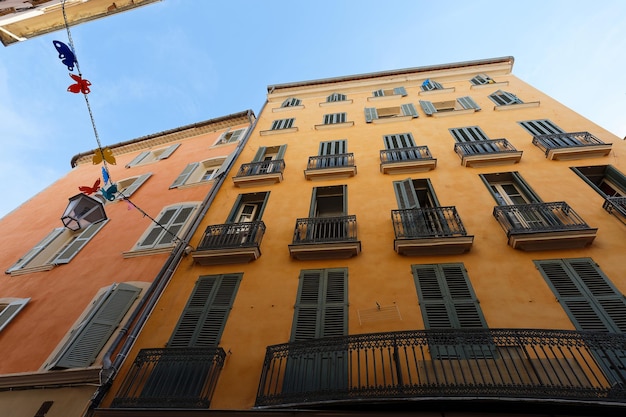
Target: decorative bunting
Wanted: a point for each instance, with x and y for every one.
(109, 193)
(81, 86)
(85, 189)
(103, 154)
(65, 55)
(105, 174)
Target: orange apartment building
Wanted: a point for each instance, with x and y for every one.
(74, 291)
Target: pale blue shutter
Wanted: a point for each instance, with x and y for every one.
(259, 154)
(71, 250)
(399, 91)
(237, 135)
(502, 98)
(428, 107)
(370, 114)
(409, 110)
(24, 260)
(184, 175)
(128, 191)
(281, 152)
(137, 159)
(378, 93)
(468, 103)
(541, 127)
(169, 151)
(406, 194)
(11, 310)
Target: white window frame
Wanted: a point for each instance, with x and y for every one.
(147, 157)
(9, 308)
(231, 136)
(193, 174)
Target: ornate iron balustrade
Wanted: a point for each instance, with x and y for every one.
(565, 140)
(331, 161)
(171, 378)
(419, 223)
(261, 168)
(325, 229)
(489, 146)
(232, 235)
(538, 217)
(617, 205)
(437, 364)
(405, 154)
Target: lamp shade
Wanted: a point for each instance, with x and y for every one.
(82, 211)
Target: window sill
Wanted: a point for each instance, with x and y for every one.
(32, 269)
(282, 109)
(194, 184)
(517, 106)
(435, 92)
(384, 98)
(222, 145)
(392, 119)
(453, 113)
(490, 85)
(335, 103)
(146, 252)
(334, 126)
(277, 131)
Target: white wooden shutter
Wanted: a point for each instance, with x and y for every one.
(75, 245)
(137, 159)
(428, 107)
(184, 175)
(468, 103)
(24, 260)
(11, 310)
(370, 114)
(128, 191)
(409, 110)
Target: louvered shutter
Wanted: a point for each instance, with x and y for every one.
(128, 191)
(225, 167)
(175, 225)
(370, 114)
(616, 177)
(24, 260)
(468, 103)
(541, 127)
(259, 154)
(202, 322)
(137, 159)
(502, 98)
(468, 134)
(305, 322)
(171, 220)
(406, 194)
(378, 93)
(94, 332)
(399, 91)
(428, 107)
(402, 140)
(335, 307)
(281, 152)
(409, 110)
(168, 152)
(184, 175)
(78, 243)
(429, 85)
(11, 310)
(431, 297)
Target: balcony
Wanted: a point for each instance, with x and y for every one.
(429, 231)
(325, 238)
(406, 160)
(336, 166)
(260, 173)
(171, 378)
(575, 145)
(544, 226)
(539, 368)
(617, 207)
(487, 152)
(230, 243)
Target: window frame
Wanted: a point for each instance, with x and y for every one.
(404, 111)
(159, 246)
(462, 105)
(12, 306)
(147, 157)
(258, 199)
(193, 173)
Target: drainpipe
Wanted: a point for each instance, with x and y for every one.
(141, 313)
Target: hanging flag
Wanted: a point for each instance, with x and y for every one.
(65, 54)
(103, 154)
(109, 193)
(85, 189)
(81, 86)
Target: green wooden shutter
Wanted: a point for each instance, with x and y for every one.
(432, 297)
(428, 107)
(168, 152)
(409, 110)
(281, 152)
(137, 159)
(94, 332)
(399, 91)
(184, 175)
(616, 177)
(172, 220)
(398, 141)
(11, 310)
(406, 194)
(468, 103)
(259, 154)
(203, 320)
(71, 250)
(128, 191)
(370, 114)
(468, 134)
(24, 260)
(587, 295)
(305, 321)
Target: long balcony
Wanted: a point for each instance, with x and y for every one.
(171, 378)
(536, 367)
(260, 173)
(335, 166)
(574, 145)
(487, 152)
(325, 238)
(617, 207)
(230, 243)
(406, 160)
(544, 226)
(429, 231)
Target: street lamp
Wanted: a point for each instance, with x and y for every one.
(82, 211)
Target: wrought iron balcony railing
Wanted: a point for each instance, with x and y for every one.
(261, 168)
(490, 146)
(538, 217)
(565, 140)
(232, 235)
(551, 365)
(617, 206)
(405, 154)
(325, 229)
(171, 378)
(425, 222)
(331, 161)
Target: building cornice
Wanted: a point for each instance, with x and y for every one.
(49, 379)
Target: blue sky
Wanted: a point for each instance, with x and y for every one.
(178, 62)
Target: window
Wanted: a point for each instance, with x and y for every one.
(231, 136)
(329, 201)
(336, 97)
(199, 172)
(502, 98)
(373, 113)
(248, 207)
(171, 222)
(291, 102)
(430, 85)
(334, 118)
(128, 186)
(398, 91)
(59, 247)
(95, 328)
(509, 188)
(476, 137)
(482, 79)
(9, 307)
(399, 141)
(541, 127)
(605, 179)
(282, 124)
(461, 103)
(151, 156)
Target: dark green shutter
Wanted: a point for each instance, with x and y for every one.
(541, 127)
(93, 334)
(406, 194)
(202, 322)
(468, 134)
(184, 175)
(281, 152)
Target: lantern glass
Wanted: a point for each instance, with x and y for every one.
(82, 211)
